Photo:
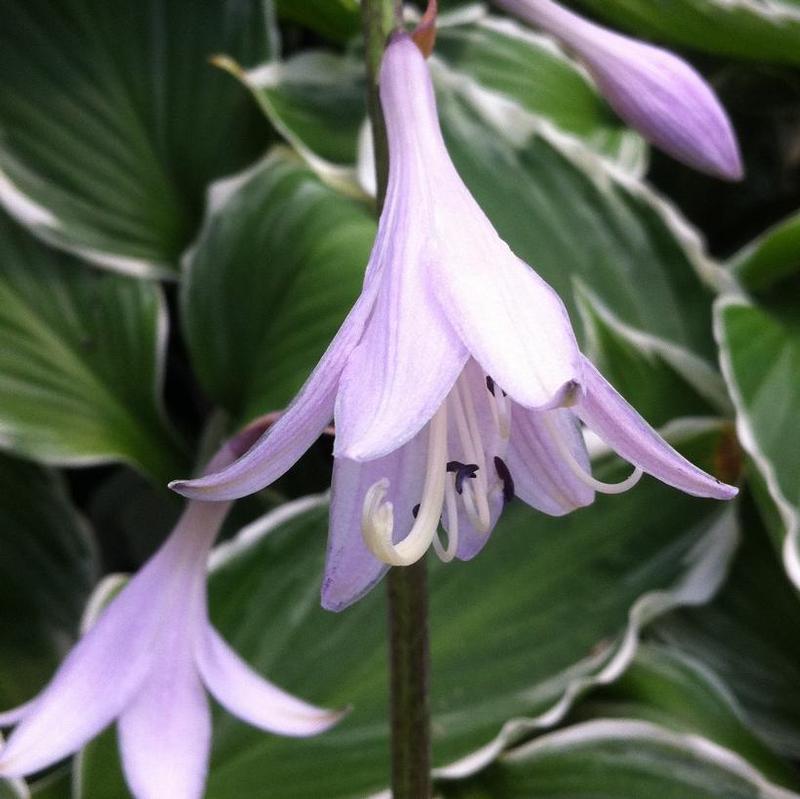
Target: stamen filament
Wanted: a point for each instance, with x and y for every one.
(469, 433)
(500, 407)
(450, 497)
(377, 518)
(578, 470)
(468, 498)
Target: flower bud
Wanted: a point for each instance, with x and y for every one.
(654, 91)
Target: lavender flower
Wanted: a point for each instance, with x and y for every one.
(654, 91)
(144, 663)
(455, 382)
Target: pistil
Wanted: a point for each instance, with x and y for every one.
(377, 518)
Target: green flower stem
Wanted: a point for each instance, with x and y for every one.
(409, 655)
(379, 18)
(409, 658)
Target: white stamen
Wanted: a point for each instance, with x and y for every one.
(467, 497)
(501, 410)
(578, 470)
(451, 498)
(377, 518)
(474, 490)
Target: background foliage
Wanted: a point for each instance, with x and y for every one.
(186, 218)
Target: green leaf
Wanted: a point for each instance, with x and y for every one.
(760, 356)
(55, 785)
(750, 636)
(131, 518)
(766, 31)
(81, 358)
(278, 264)
(504, 57)
(316, 101)
(771, 258)
(666, 687)
(620, 759)
(47, 569)
(114, 122)
(337, 20)
(551, 607)
(661, 381)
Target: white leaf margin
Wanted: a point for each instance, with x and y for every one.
(224, 190)
(696, 371)
(317, 66)
(44, 224)
(636, 732)
(708, 563)
(50, 229)
(789, 514)
(773, 11)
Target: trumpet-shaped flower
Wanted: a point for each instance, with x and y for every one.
(455, 382)
(654, 91)
(144, 664)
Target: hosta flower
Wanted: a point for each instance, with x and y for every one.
(145, 664)
(654, 91)
(455, 382)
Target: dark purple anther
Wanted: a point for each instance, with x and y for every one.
(462, 471)
(491, 385)
(508, 481)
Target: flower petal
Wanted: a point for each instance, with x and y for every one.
(13, 716)
(541, 477)
(512, 322)
(108, 665)
(91, 686)
(654, 91)
(409, 109)
(165, 732)
(351, 570)
(606, 412)
(249, 696)
(277, 450)
(409, 356)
